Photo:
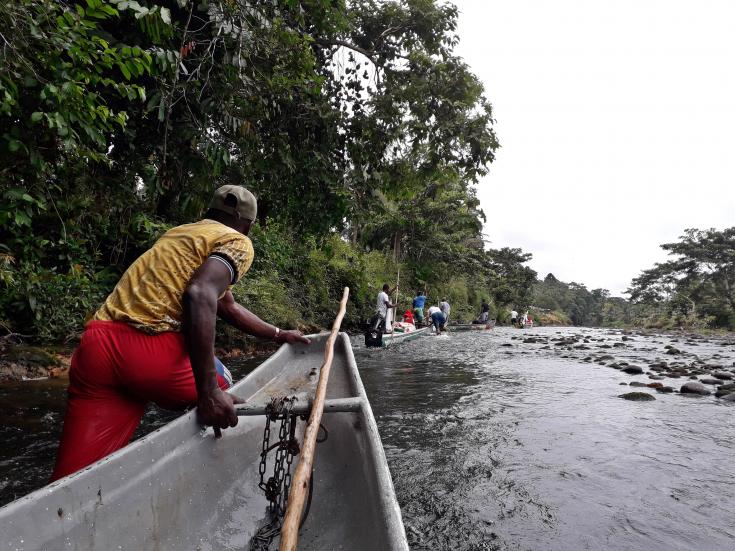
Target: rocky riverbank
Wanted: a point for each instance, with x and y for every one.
(689, 363)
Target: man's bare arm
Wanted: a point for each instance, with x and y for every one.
(200, 311)
(243, 319)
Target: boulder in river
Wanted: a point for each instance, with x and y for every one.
(655, 385)
(720, 393)
(730, 397)
(673, 351)
(638, 383)
(665, 389)
(633, 369)
(723, 375)
(710, 381)
(637, 396)
(694, 388)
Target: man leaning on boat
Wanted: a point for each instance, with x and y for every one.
(153, 338)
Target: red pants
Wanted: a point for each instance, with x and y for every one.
(115, 372)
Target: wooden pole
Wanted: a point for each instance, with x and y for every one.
(398, 283)
(300, 483)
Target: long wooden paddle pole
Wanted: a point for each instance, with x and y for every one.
(398, 284)
(297, 495)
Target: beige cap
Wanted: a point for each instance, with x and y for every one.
(244, 204)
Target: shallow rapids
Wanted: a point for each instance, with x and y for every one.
(497, 443)
(494, 443)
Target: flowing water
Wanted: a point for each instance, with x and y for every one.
(494, 443)
(497, 443)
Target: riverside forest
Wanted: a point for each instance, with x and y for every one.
(542, 415)
(359, 129)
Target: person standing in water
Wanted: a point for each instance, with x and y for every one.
(438, 319)
(484, 311)
(418, 307)
(446, 309)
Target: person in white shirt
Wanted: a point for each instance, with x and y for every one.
(513, 317)
(382, 305)
(438, 319)
(445, 308)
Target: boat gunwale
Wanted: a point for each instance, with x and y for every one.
(190, 427)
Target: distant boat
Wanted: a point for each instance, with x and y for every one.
(179, 488)
(400, 332)
(471, 326)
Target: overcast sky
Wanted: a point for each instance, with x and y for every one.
(617, 128)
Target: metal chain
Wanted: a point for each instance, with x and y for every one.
(276, 488)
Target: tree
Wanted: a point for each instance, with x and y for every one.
(700, 280)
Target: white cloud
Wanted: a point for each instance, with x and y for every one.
(617, 126)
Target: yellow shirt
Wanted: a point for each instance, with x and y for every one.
(148, 296)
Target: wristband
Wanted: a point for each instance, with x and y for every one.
(278, 332)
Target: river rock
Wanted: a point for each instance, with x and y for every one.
(720, 393)
(730, 397)
(638, 383)
(710, 381)
(633, 369)
(605, 357)
(637, 396)
(665, 389)
(728, 386)
(655, 385)
(723, 375)
(694, 388)
(673, 351)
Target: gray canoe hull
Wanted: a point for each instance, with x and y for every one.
(180, 488)
(395, 338)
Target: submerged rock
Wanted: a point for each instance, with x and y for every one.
(638, 383)
(637, 396)
(694, 388)
(633, 369)
(665, 389)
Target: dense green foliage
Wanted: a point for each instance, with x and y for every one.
(696, 287)
(581, 306)
(358, 128)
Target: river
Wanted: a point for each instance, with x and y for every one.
(497, 443)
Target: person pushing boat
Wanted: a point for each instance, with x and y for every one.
(382, 306)
(153, 338)
(438, 319)
(484, 311)
(418, 307)
(445, 308)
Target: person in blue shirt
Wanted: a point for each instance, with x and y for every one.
(418, 307)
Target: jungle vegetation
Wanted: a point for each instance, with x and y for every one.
(358, 127)
(354, 122)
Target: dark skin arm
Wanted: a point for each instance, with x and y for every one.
(243, 319)
(201, 306)
(200, 309)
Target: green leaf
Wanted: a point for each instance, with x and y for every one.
(125, 70)
(14, 145)
(22, 219)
